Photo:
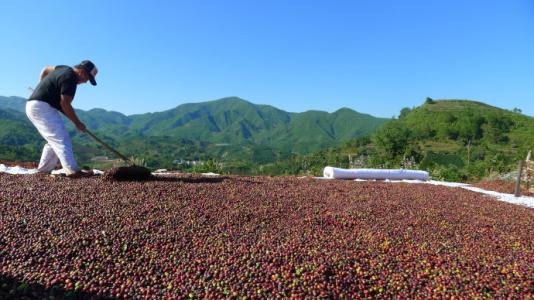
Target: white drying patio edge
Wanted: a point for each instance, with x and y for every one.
(23, 171)
(510, 198)
(16, 170)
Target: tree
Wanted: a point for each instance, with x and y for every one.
(497, 128)
(517, 110)
(404, 112)
(392, 140)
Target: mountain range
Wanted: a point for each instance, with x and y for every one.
(225, 128)
(456, 140)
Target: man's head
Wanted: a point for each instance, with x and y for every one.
(86, 71)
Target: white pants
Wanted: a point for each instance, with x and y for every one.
(48, 122)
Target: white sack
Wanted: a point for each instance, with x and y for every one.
(16, 170)
(400, 174)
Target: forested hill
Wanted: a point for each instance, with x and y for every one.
(453, 139)
(467, 135)
(236, 121)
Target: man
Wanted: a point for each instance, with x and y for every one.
(54, 94)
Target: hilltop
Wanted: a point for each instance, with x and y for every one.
(456, 140)
(466, 136)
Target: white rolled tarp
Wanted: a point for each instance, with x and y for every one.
(380, 174)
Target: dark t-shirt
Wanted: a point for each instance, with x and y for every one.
(61, 81)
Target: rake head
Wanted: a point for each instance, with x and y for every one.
(131, 173)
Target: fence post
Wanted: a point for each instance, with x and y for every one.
(518, 182)
(529, 170)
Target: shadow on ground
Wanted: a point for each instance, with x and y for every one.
(190, 179)
(13, 288)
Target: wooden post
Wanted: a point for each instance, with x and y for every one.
(529, 170)
(518, 182)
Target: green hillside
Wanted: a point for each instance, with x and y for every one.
(468, 138)
(228, 120)
(19, 140)
(14, 103)
(318, 130)
(236, 121)
(456, 140)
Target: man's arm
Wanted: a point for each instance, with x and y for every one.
(66, 106)
(45, 72)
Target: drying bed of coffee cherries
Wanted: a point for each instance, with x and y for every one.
(189, 237)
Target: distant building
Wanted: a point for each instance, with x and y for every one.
(188, 163)
(103, 159)
(100, 158)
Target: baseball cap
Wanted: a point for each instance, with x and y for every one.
(89, 68)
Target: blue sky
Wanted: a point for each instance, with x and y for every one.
(375, 57)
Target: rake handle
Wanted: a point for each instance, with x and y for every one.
(108, 146)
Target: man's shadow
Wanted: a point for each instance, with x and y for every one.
(199, 179)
